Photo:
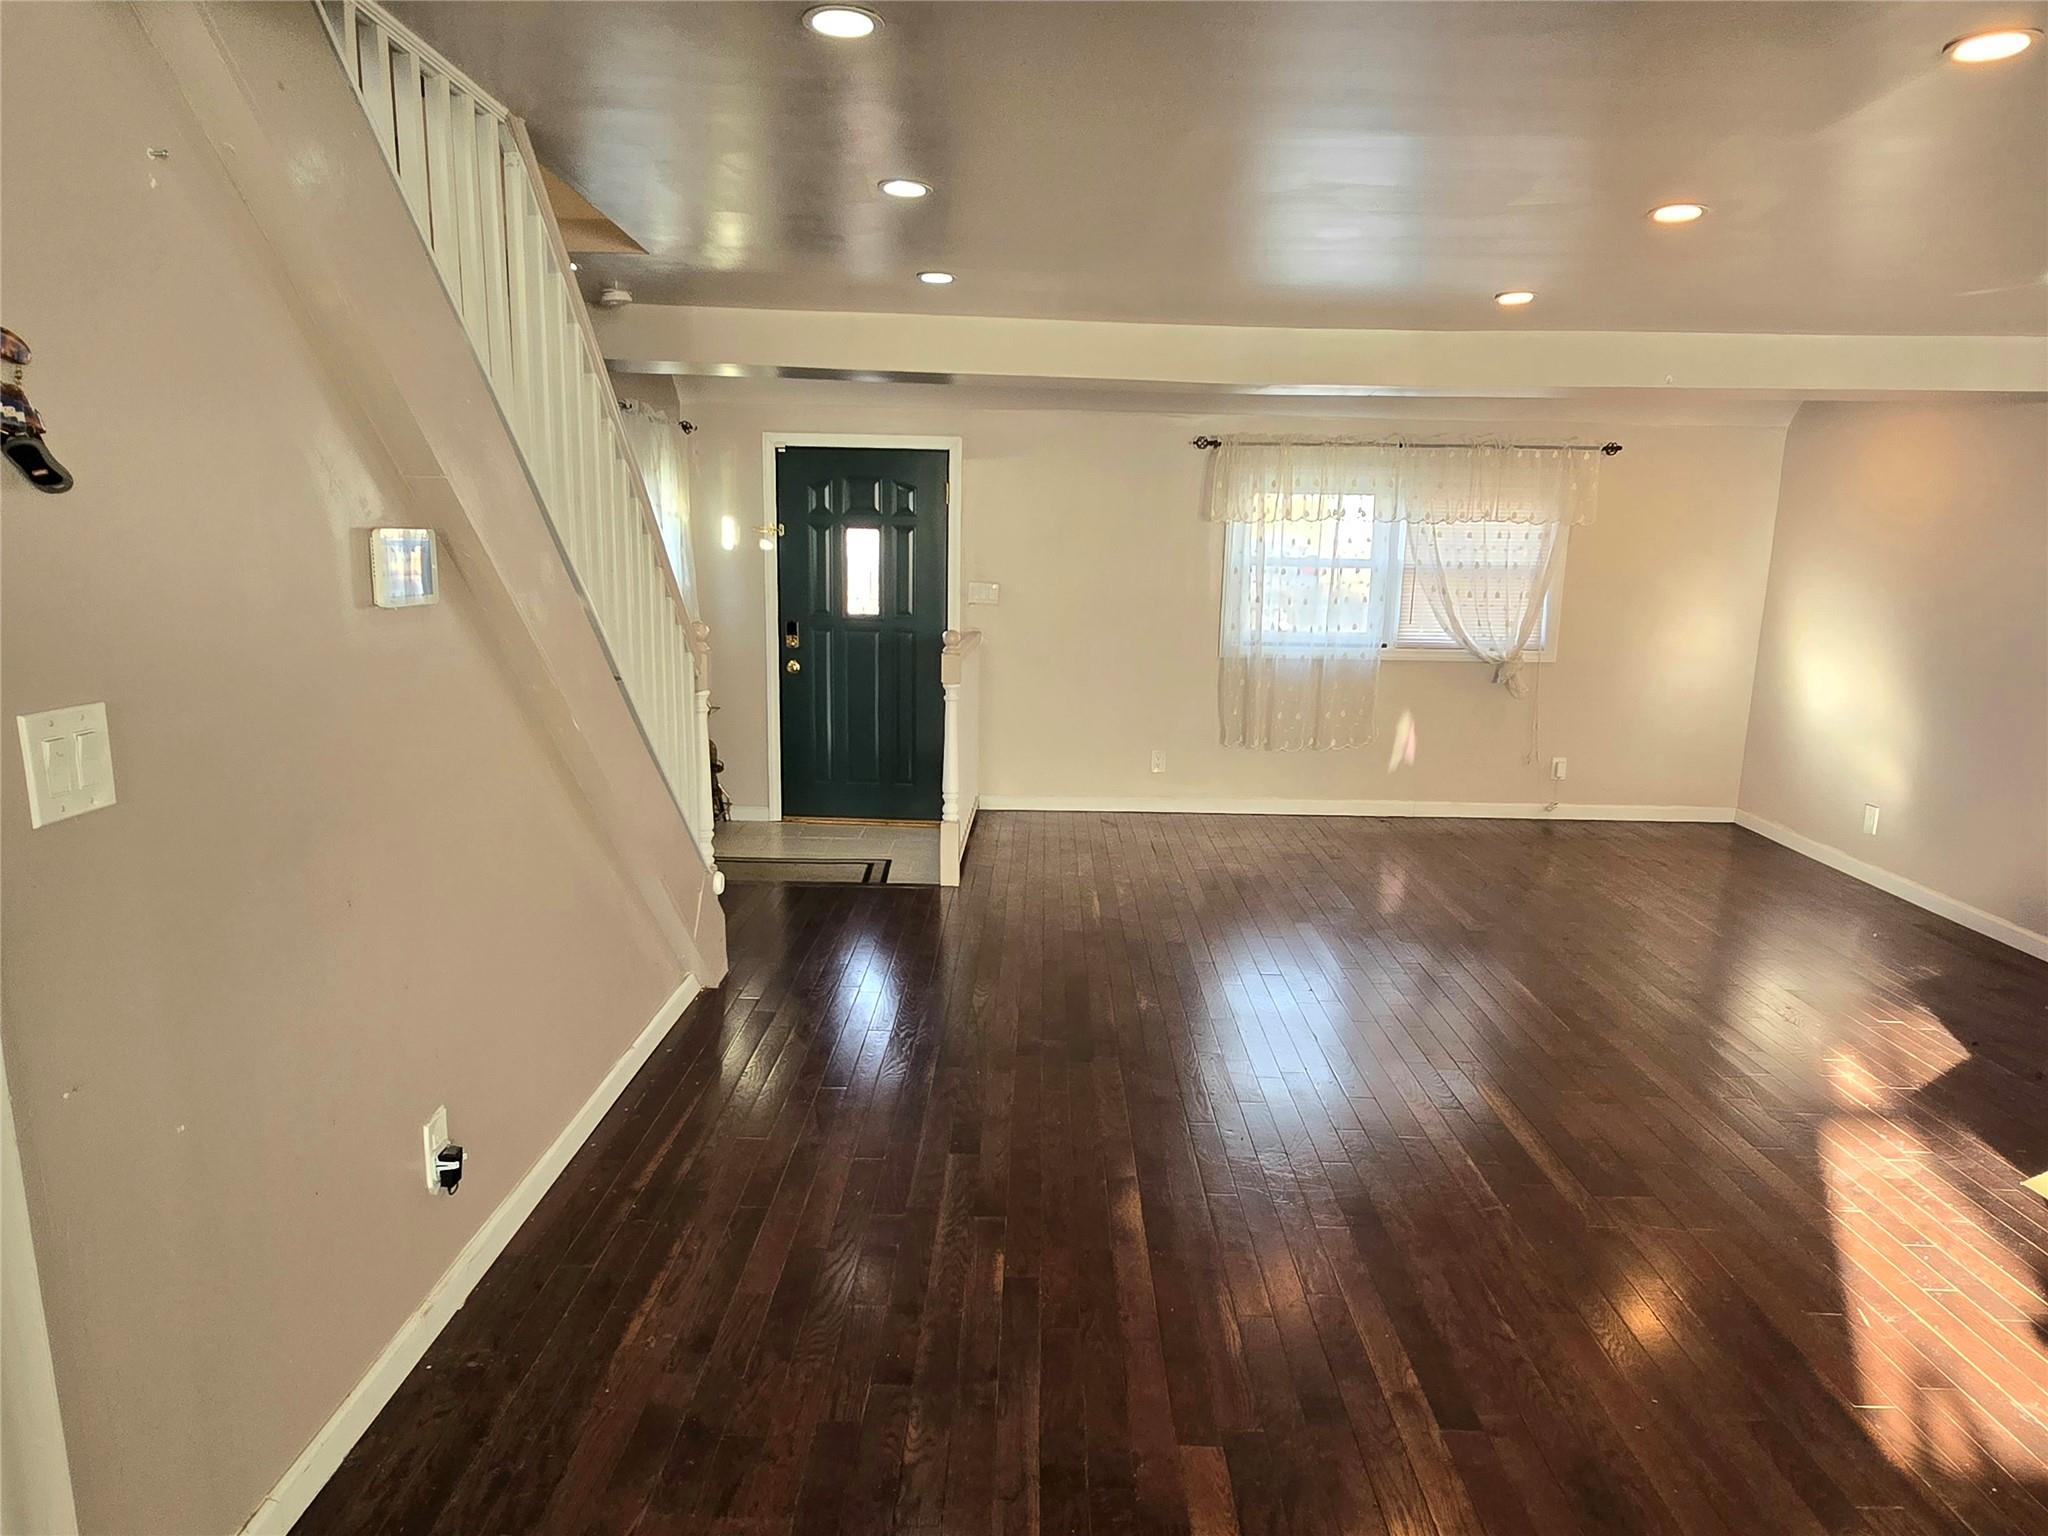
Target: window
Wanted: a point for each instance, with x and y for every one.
(1487, 567)
(1327, 586)
(1311, 586)
(863, 572)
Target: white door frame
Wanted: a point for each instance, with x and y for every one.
(35, 1469)
(770, 582)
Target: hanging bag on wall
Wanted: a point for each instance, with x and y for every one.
(21, 429)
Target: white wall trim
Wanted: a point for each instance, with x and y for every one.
(1529, 811)
(1990, 924)
(289, 1499)
(750, 813)
(955, 453)
(35, 1468)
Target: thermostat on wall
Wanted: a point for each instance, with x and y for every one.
(403, 573)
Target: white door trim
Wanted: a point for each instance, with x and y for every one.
(35, 1468)
(955, 593)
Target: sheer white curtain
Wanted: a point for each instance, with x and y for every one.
(1487, 583)
(1301, 631)
(1313, 560)
(1486, 529)
(663, 453)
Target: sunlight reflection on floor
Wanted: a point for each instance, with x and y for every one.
(1942, 1269)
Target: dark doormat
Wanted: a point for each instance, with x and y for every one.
(787, 871)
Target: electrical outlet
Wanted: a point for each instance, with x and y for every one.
(434, 1136)
(1557, 768)
(1158, 761)
(1870, 820)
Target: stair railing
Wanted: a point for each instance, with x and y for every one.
(468, 173)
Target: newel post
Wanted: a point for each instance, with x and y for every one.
(954, 787)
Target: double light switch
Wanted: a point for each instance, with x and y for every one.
(69, 761)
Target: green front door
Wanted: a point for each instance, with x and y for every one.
(862, 564)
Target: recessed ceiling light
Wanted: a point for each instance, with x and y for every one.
(841, 21)
(573, 267)
(936, 279)
(903, 186)
(1990, 47)
(1677, 213)
(1513, 297)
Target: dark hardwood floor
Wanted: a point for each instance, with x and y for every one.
(1285, 1175)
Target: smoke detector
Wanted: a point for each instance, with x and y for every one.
(614, 296)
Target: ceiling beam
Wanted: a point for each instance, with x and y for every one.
(654, 338)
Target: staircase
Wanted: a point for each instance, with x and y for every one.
(470, 180)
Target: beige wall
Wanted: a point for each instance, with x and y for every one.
(347, 880)
(1104, 644)
(1904, 659)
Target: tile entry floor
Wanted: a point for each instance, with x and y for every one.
(912, 851)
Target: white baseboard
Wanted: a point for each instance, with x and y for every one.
(749, 813)
(1521, 811)
(288, 1500)
(1990, 924)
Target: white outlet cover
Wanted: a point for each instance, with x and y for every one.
(1557, 767)
(434, 1136)
(68, 758)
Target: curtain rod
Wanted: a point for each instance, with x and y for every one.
(1608, 450)
(687, 426)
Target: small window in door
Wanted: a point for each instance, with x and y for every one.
(862, 589)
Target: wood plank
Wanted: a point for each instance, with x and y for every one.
(1205, 1174)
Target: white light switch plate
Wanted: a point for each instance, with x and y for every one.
(989, 592)
(69, 759)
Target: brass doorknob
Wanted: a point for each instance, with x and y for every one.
(792, 666)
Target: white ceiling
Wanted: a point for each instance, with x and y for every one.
(1371, 165)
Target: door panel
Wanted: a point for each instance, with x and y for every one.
(862, 576)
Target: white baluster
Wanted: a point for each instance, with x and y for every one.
(949, 772)
(375, 92)
(441, 186)
(490, 185)
(706, 812)
(461, 163)
(409, 120)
